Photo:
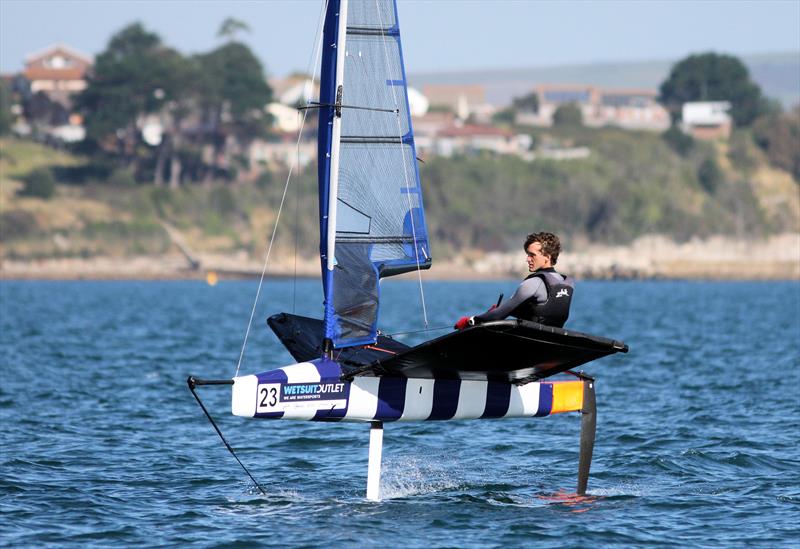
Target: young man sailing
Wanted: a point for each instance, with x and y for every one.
(544, 296)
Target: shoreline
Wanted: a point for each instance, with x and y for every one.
(648, 258)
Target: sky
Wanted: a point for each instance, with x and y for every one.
(438, 35)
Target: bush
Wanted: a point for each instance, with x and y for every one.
(506, 116)
(779, 137)
(678, 141)
(98, 169)
(222, 201)
(568, 115)
(710, 175)
(742, 151)
(16, 224)
(122, 178)
(264, 180)
(161, 197)
(39, 183)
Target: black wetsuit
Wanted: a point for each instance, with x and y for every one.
(544, 297)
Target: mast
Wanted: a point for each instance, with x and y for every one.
(330, 131)
(333, 192)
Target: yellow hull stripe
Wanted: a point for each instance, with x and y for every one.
(567, 396)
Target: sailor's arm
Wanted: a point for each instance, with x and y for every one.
(525, 291)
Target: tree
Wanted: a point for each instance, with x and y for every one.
(528, 103)
(39, 183)
(779, 136)
(713, 77)
(710, 175)
(42, 113)
(6, 118)
(568, 115)
(230, 27)
(234, 92)
(136, 75)
(678, 141)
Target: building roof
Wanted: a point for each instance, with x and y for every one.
(706, 113)
(58, 48)
(473, 130)
(41, 73)
(448, 94)
(56, 62)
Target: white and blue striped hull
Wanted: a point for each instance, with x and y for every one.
(314, 391)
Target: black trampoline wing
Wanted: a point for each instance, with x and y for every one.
(514, 351)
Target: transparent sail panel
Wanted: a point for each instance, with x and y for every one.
(374, 79)
(380, 230)
(372, 182)
(371, 14)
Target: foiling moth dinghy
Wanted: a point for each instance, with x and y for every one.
(372, 226)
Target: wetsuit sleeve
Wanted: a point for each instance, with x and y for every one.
(528, 289)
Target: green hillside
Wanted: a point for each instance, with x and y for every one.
(633, 183)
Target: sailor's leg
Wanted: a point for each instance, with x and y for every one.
(588, 428)
(374, 467)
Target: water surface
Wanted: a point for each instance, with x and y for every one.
(102, 443)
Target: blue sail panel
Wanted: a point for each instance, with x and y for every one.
(380, 226)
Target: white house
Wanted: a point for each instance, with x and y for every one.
(706, 119)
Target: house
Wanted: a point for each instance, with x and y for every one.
(294, 90)
(285, 118)
(464, 100)
(472, 138)
(706, 119)
(283, 153)
(629, 108)
(57, 71)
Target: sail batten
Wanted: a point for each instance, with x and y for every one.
(372, 221)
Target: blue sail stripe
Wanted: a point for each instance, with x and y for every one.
(395, 82)
(445, 398)
(545, 400)
(391, 398)
(498, 397)
(408, 139)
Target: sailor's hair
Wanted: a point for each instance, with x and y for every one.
(551, 245)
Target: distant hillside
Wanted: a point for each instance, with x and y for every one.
(778, 74)
(632, 184)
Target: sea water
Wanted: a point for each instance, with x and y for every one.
(102, 443)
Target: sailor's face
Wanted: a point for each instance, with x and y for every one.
(536, 259)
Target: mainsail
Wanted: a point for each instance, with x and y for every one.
(371, 218)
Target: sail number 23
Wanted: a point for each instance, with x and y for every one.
(268, 398)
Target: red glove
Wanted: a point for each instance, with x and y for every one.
(462, 323)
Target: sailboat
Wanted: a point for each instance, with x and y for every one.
(372, 226)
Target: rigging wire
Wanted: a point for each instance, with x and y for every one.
(296, 220)
(405, 167)
(318, 49)
(435, 329)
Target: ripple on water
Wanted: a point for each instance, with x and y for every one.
(101, 443)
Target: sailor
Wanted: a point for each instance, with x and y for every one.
(543, 297)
